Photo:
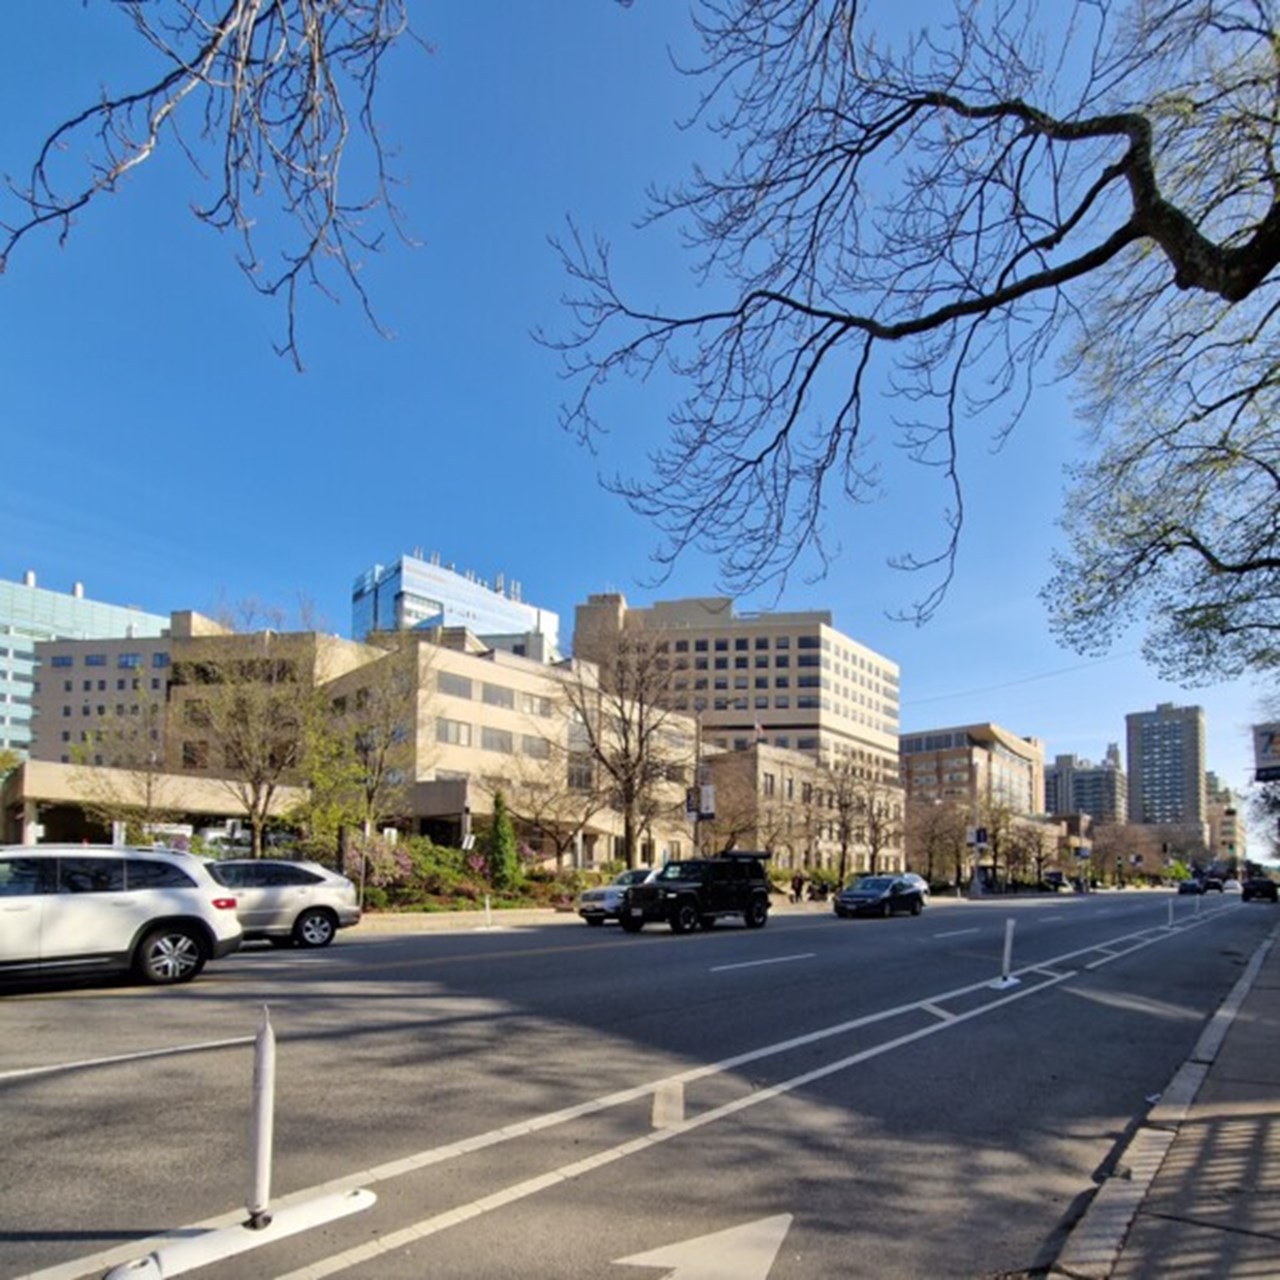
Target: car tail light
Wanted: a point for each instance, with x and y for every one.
(225, 904)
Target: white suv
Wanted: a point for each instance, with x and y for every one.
(94, 908)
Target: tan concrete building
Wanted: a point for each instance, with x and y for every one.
(981, 766)
(805, 813)
(476, 719)
(790, 680)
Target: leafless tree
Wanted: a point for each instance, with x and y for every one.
(120, 772)
(262, 97)
(1082, 188)
(934, 837)
(621, 720)
(241, 708)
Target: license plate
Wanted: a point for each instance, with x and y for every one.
(637, 911)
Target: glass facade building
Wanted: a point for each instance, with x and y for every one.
(415, 593)
(29, 613)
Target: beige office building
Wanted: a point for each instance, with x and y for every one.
(789, 680)
(476, 719)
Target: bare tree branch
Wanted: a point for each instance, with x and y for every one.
(274, 87)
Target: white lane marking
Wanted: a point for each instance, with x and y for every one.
(755, 964)
(97, 1263)
(746, 1252)
(566, 1173)
(86, 1063)
(956, 933)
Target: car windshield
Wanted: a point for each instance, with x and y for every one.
(873, 884)
(634, 876)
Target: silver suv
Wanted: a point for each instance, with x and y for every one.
(291, 903)
(86, 908)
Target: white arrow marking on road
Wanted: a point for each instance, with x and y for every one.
(740, 1253)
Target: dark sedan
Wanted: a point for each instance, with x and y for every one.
(1261, 888)
(879, 896)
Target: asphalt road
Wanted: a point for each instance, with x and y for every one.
(817, 1098)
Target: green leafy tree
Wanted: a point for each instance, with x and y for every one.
(1084, 186)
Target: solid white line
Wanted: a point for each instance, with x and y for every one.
(755, 964)
(86, 1063)
(956, 933)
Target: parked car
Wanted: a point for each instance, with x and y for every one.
(1191, 886)
(1259, 888)
(919, 881)
(603, 903)
(1231, 886)
(879, 896)
(76, 908)
(1212, 884)
(299, 904)
(699, 893)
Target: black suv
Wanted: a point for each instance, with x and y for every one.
(697, 893)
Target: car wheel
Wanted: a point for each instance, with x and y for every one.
(314, 929)
(169, 954)
(631, 924)
(683, 917)
(917, 907)
(886, 910)
(756, 914)
(594, 920)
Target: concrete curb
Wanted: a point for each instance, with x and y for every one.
(1094, 1246)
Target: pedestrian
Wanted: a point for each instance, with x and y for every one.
(797, 887)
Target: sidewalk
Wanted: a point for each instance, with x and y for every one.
(1197, 1191)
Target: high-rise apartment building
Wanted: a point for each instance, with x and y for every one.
(1166, 749)
(28, 614)
(1072, 785)
(417, 594)
(790, 680)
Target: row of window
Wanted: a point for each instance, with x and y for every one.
(459, 733)
(494, 695)
(124, 660)
(87, 686)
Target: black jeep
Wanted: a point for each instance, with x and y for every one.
(697, 893)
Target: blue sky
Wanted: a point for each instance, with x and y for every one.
(158, 451)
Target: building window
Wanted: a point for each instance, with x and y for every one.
(496, 739)
(454, 685)
(498, 695)
(195, 755)
(580, 771)
(768, 784)
(159, 659)
(722, 645)
(741, 643)
(808, 642)
(95, 660)
(455, 732)
(129, 660)
(62, 660)
(534, 747)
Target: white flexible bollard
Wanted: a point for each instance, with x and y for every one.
(1005, 980)
(263, 1128)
